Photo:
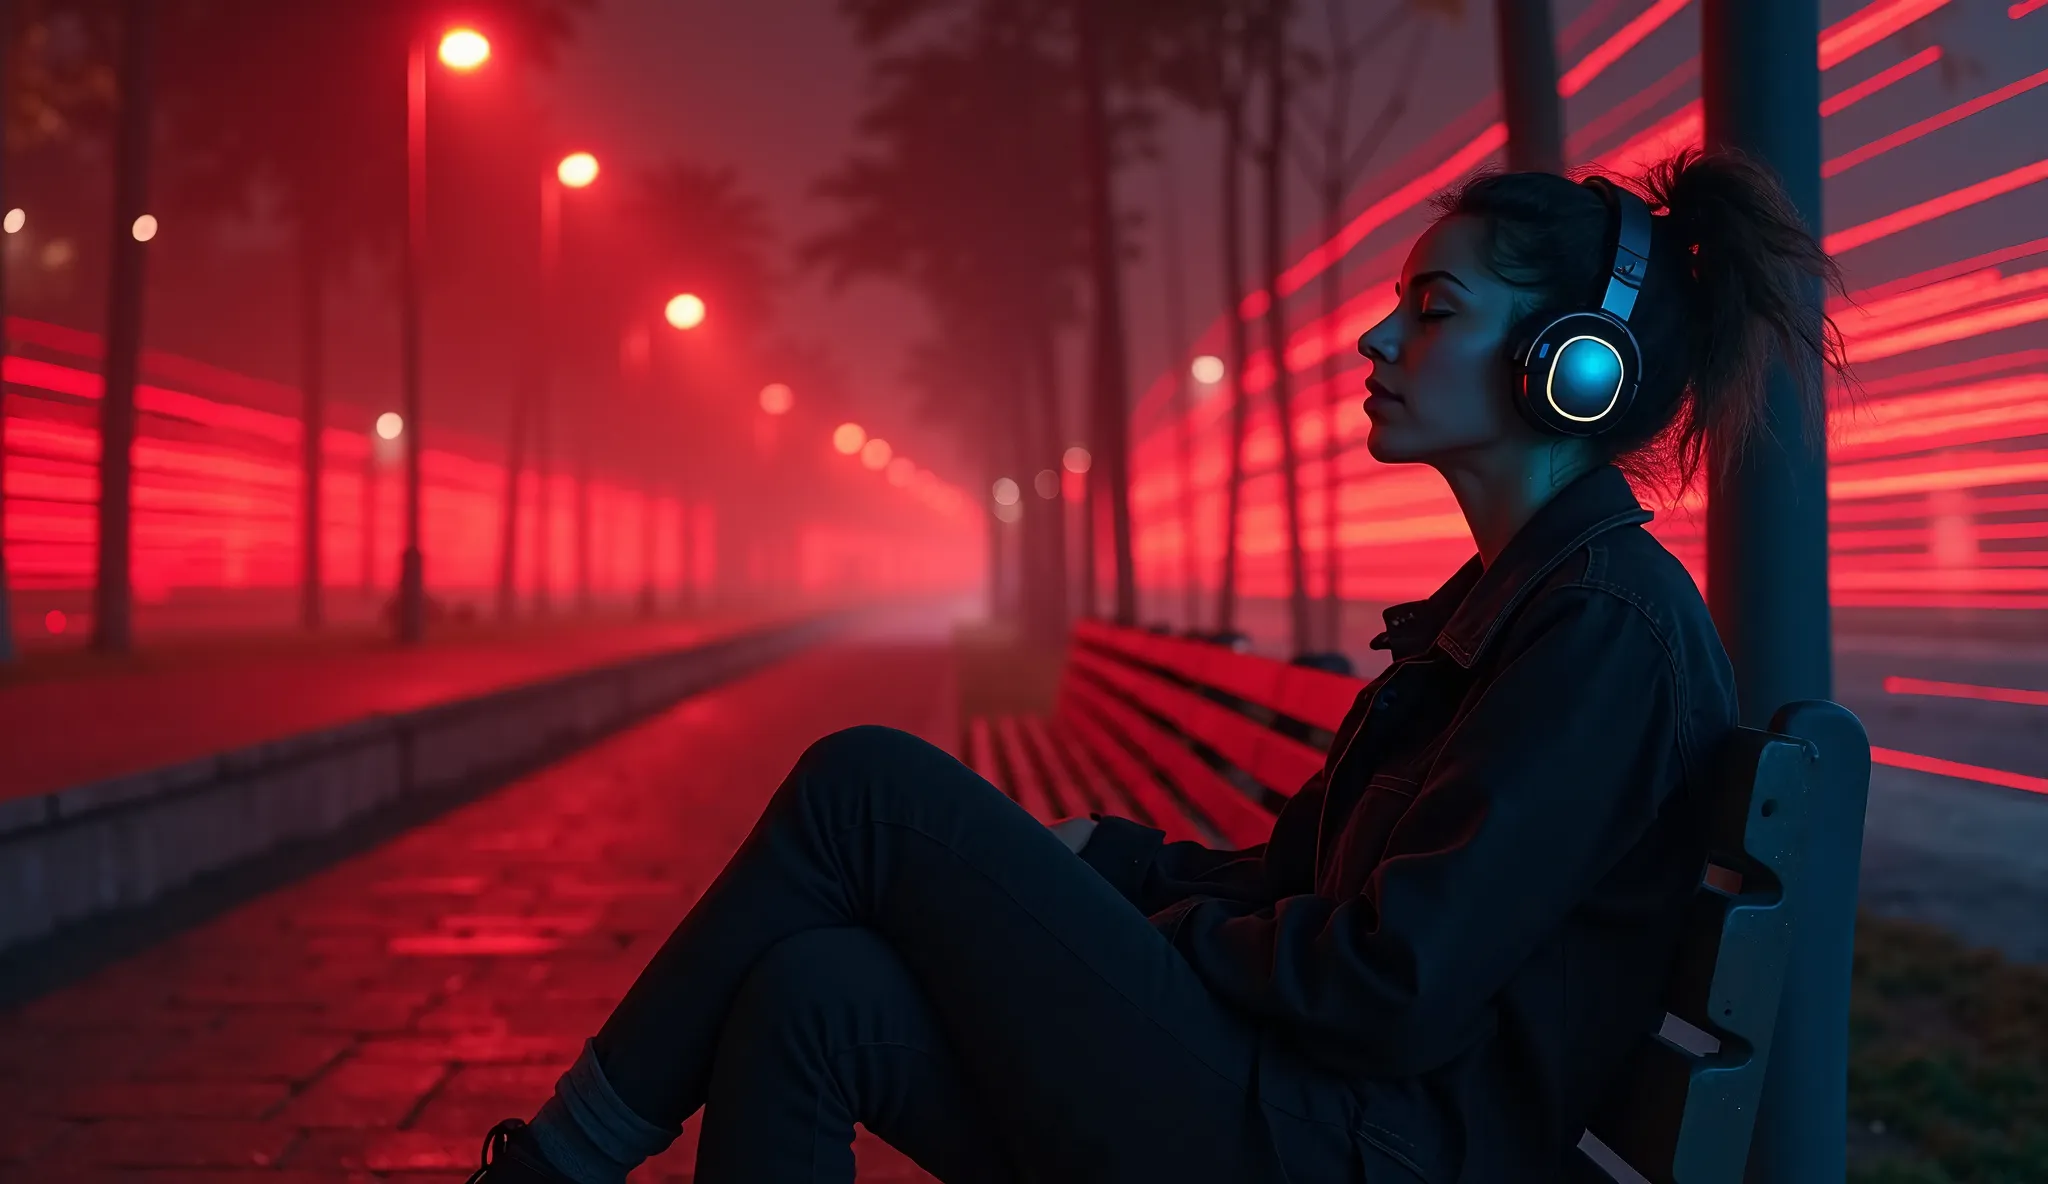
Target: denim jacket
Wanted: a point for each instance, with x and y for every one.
(1470, 912)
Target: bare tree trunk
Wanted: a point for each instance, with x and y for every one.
(313, 394)
(1275, 196)
(1240, 349)
(7, 650)
(515, 465)
(113, 600)
(1528, 86)
(1111, 394)
(1175, 306)
(1052, 563)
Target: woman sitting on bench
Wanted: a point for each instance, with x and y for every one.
(1457, 929)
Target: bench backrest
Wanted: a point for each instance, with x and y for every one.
(1226, 736)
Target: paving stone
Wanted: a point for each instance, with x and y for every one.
(372, 1021)
(168, 1143)
(359, 1094)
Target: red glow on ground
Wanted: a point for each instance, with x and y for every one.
(1960, 690)
(1978, 773)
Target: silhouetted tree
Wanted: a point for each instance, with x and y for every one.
(306, 103)
(989, 230)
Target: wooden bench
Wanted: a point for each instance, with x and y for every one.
(1206, 743)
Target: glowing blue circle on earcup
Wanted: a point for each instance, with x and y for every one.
(1585, 379)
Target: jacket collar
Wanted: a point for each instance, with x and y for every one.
(1462, 617)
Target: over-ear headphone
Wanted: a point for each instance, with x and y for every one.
(1575, 373)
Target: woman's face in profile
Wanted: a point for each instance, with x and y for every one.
(1439, 381)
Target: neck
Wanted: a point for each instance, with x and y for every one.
(1499, 492)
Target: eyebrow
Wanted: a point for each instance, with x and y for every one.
(1427, 276)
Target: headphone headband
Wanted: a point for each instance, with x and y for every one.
(1631, 247)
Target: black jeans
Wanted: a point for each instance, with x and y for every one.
(899, 944)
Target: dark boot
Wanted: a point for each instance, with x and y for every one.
(510, 1157)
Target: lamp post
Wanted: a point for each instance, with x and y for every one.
(461, 50)
(683, 312)
(578, 170)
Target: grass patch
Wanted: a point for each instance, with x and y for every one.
(1948, 1061)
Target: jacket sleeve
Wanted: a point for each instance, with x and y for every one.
(1547, 778)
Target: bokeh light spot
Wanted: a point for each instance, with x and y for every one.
(1047, 483)
(1077, 459)
(464, 49)
(1207, 369)
(55, 621)
(685, 311)
(875, 453)
(1005, 492)
(390, 425)
(16, 219)
(577, 170)
(145, 228)
(777, 398)
(848, 437)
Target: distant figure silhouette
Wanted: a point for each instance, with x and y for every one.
(1457, 928)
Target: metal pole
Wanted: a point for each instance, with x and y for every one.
(1767, 584)
(1528, 86)
(412, 576)
(113, 607)
(7, 651)
(544, 340)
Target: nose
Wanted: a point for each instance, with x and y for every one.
(1382, 342)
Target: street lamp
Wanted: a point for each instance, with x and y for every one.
(577, 170)
(685, 311)
(461, 49)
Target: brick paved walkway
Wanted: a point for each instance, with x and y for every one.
(184, 706)
(373, 1020)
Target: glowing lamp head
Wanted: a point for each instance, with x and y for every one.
(1207, 369)
(464, 49)
(875, 454)
(685, 311)
(777, 398)
(577, 170)
(390, 425)
(16, 219)
(145, 228)
(1076, 459)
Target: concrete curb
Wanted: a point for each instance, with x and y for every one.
(90, 850)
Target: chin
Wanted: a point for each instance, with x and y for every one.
(1386, 446)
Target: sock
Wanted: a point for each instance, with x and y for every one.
(588, 1133)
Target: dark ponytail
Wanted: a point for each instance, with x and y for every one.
(1733, 282)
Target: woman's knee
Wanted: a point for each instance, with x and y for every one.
(826, 988)
(861, 759)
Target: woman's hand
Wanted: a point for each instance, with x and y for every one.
(1074, 832)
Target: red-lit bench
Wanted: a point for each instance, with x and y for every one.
(1207, 743)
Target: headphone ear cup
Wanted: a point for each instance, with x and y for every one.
(1577, 375)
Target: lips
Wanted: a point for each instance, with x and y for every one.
(1379, 390)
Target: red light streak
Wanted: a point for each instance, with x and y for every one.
(1935, 207)
(1954, 329)
(1950, 270)
(1849, 96)
(1956, 769)
(1923, 474)
(1896, 685)
(1611, 50)
(2023, 7)
(1933, 123)
(1625, 112)
(1858, 32)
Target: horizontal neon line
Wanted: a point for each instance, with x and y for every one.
(1849, 96)
(1936, 207)
(1933, 123)
(1896, 685)
(1958, 770)
(1856, 33)
(1947, 271)
(1611, 50)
